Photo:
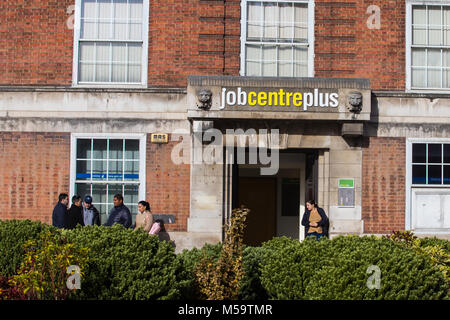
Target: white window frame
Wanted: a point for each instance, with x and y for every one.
(409, 186)
(310, 44)
(142, 157)
(144, 57)
(408, 35)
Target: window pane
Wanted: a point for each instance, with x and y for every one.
(254, 20)
(88, 9)
(132, 149)
(83, 148)
(434, 174)
(434, 153)
(116, 149)
(134, 73)
(99, 193)
(446, 174)
(269, 61)
(418, 77)
(419, 153)
(301, 22)
(270, 21)
(83, 170)
(434, 37)
(434, 16)
(98, 170)
(446, 153)
(131, 195)
(434, 57)
(115, 170)
(131, 170)
(301, 62)
(419, 174)
(104, 8)
(285, 61)
(134, 52)
(113, 189)
(434, 78)
(100, 149)
(419, 36)
(419, 15)
(418, 57)
(136, 9)
(286, 27)
(82, 189)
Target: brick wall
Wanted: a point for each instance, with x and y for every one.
(346, 47)
(168, 184)
(383, 185)
(35, 43)
(34, 169)
(192, 37)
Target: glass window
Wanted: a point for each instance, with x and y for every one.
(276, 42)
(111, 41)
(430, 55)
(105, 167)
(430, 163)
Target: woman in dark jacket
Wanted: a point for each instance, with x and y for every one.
(315, 221)
(75, 215)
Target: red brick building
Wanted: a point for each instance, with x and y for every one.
(85, 83)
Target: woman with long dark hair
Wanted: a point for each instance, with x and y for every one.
(315, 221)
(144, 219)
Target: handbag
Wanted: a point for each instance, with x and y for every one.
(156, 227)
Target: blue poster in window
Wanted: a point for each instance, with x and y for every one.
(115, 176)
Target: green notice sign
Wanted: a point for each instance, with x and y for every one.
(346, 183)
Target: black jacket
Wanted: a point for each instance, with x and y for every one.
(74, 217)
(120, 215)
(324, 223)
(59, 215)
(96, 220)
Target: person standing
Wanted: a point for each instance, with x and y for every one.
(59, 214)
(75, 215)
(145, 218)
(91, 216)
(314, 220)
(119, 213)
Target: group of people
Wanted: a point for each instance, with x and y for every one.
(84, 213)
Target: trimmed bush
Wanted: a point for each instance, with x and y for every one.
(126, 264)
(13, 235)
(188, 260)
(431, 242)
(251, 287)
(337, 269)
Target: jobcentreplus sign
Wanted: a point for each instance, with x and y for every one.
(280, 98)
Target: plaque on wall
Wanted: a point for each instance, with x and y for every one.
(346, 193)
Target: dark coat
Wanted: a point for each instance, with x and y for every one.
(74, 217)
(59, 215)
(96, 220)
(120, 215)
(324, 223)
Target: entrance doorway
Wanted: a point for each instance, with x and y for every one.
(277, 202)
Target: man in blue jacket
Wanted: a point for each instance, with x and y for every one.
(119, 214)
(59, 215)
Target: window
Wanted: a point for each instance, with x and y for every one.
(430, 164)
(277, 38)
(105, 166)
(111, 42)
(428, 45)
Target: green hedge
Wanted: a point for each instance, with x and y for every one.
(336, 269)
(187, 260)
(126, 264)
(430, 242)
(13, 234)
